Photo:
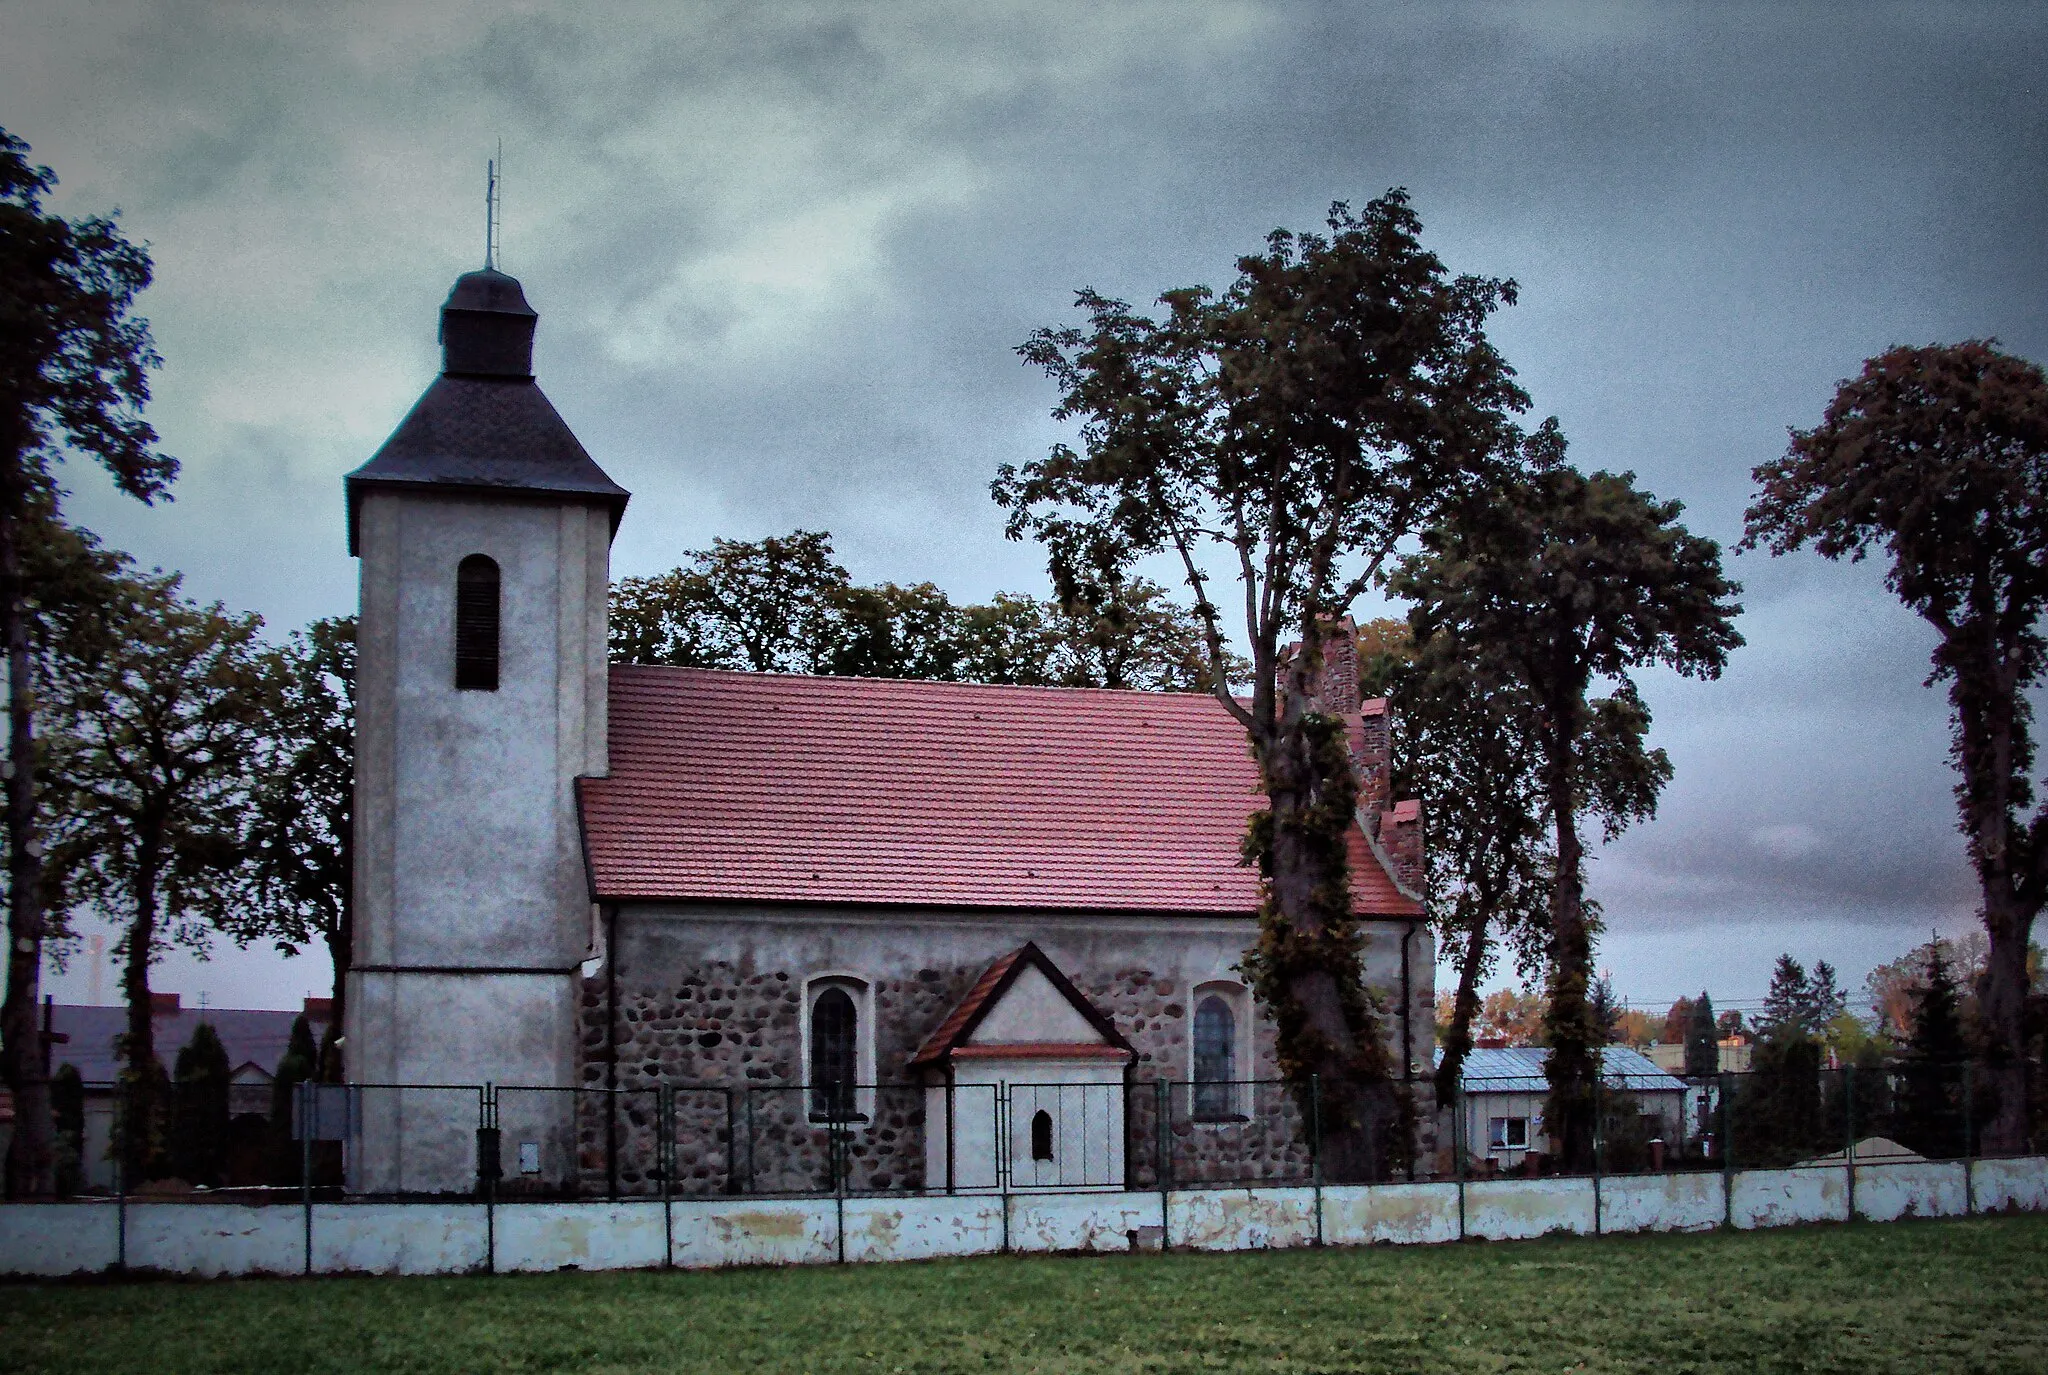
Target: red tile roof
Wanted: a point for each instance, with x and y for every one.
(782, 788)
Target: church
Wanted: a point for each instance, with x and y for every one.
(835, 932)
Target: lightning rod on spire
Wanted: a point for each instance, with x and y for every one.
(491, 210)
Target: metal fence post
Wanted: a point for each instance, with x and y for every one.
(304, 1091)
(835, 1139)
(1458, 1150)
(1849, 1132)
(1599, 1148)
(121, 1110)
(998, 1109)
(1162, 1131)
(1969, 1139)
(1315, 1147)
(665, 1149)
(1727, 1145)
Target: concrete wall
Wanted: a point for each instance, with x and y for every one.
(52, 1239)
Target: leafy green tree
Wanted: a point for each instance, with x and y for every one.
(1294, 428)
(1778, 1113)
(1929, 1108)
(893, 632)
(1938, 458)
(1457, 748)
(782, 604)
(1676, 1020)
(299, 1063)
(199, 1109)
(1550, 583)
(162, 721)
(763, 605)
(74, 377)
(303, 828)
(1785, 1003)
(1702, 1040)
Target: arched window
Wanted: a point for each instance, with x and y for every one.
(1041, 1135)
(834, 1054)
(476, 624)
(1215, 1057)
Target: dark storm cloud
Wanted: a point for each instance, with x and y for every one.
(782, 255)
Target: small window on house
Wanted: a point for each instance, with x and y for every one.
(834, 1054)
(1041, 1135)
(1215, 1059)
(1507, 1133)
(476, 624)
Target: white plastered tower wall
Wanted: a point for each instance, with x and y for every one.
(472, 910)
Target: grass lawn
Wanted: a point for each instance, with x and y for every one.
(1919, 1296)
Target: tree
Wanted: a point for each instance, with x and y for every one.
(1635, 1028)
(761, 605)
(1513, 1016)
(783, 604)
(1800, 1006)
(1702, 1040)
(1785, 1004)
(303, 830)
(1605, 1011)
(161, 732)
(1928, 1110)
(1676, 1020)
(1729, 1025)
(1549, 583)
(1488, 865)
(199, 1109)
(1938, 456)
(299, 1063)
(74, 377)
(1296, 428)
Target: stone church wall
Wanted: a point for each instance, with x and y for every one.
(710, 1002)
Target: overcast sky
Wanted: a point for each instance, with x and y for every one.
(782, 254)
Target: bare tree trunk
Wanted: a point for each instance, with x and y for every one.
(1571, 1066)
(31, 1158)
(1986, 703)
(1464, 1008)
(1359, 1108)
(2002, 1000)
(143, 1077)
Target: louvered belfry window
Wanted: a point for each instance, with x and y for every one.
(476, 624)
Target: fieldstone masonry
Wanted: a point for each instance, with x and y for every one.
(726, 1043)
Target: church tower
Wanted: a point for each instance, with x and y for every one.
(484, 533)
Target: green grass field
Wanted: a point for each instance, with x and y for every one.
(1924, 1296)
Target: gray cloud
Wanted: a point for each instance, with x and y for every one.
(782, 254)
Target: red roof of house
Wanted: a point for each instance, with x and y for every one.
(784, 788)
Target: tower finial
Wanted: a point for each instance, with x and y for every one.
(491, 207)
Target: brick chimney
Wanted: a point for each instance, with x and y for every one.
(163, 1004)
(318, 1009)
(1334, 690)
(1401, 838)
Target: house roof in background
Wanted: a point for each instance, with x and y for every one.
(787, 788)
(251, 1036)
(1519, 1069)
